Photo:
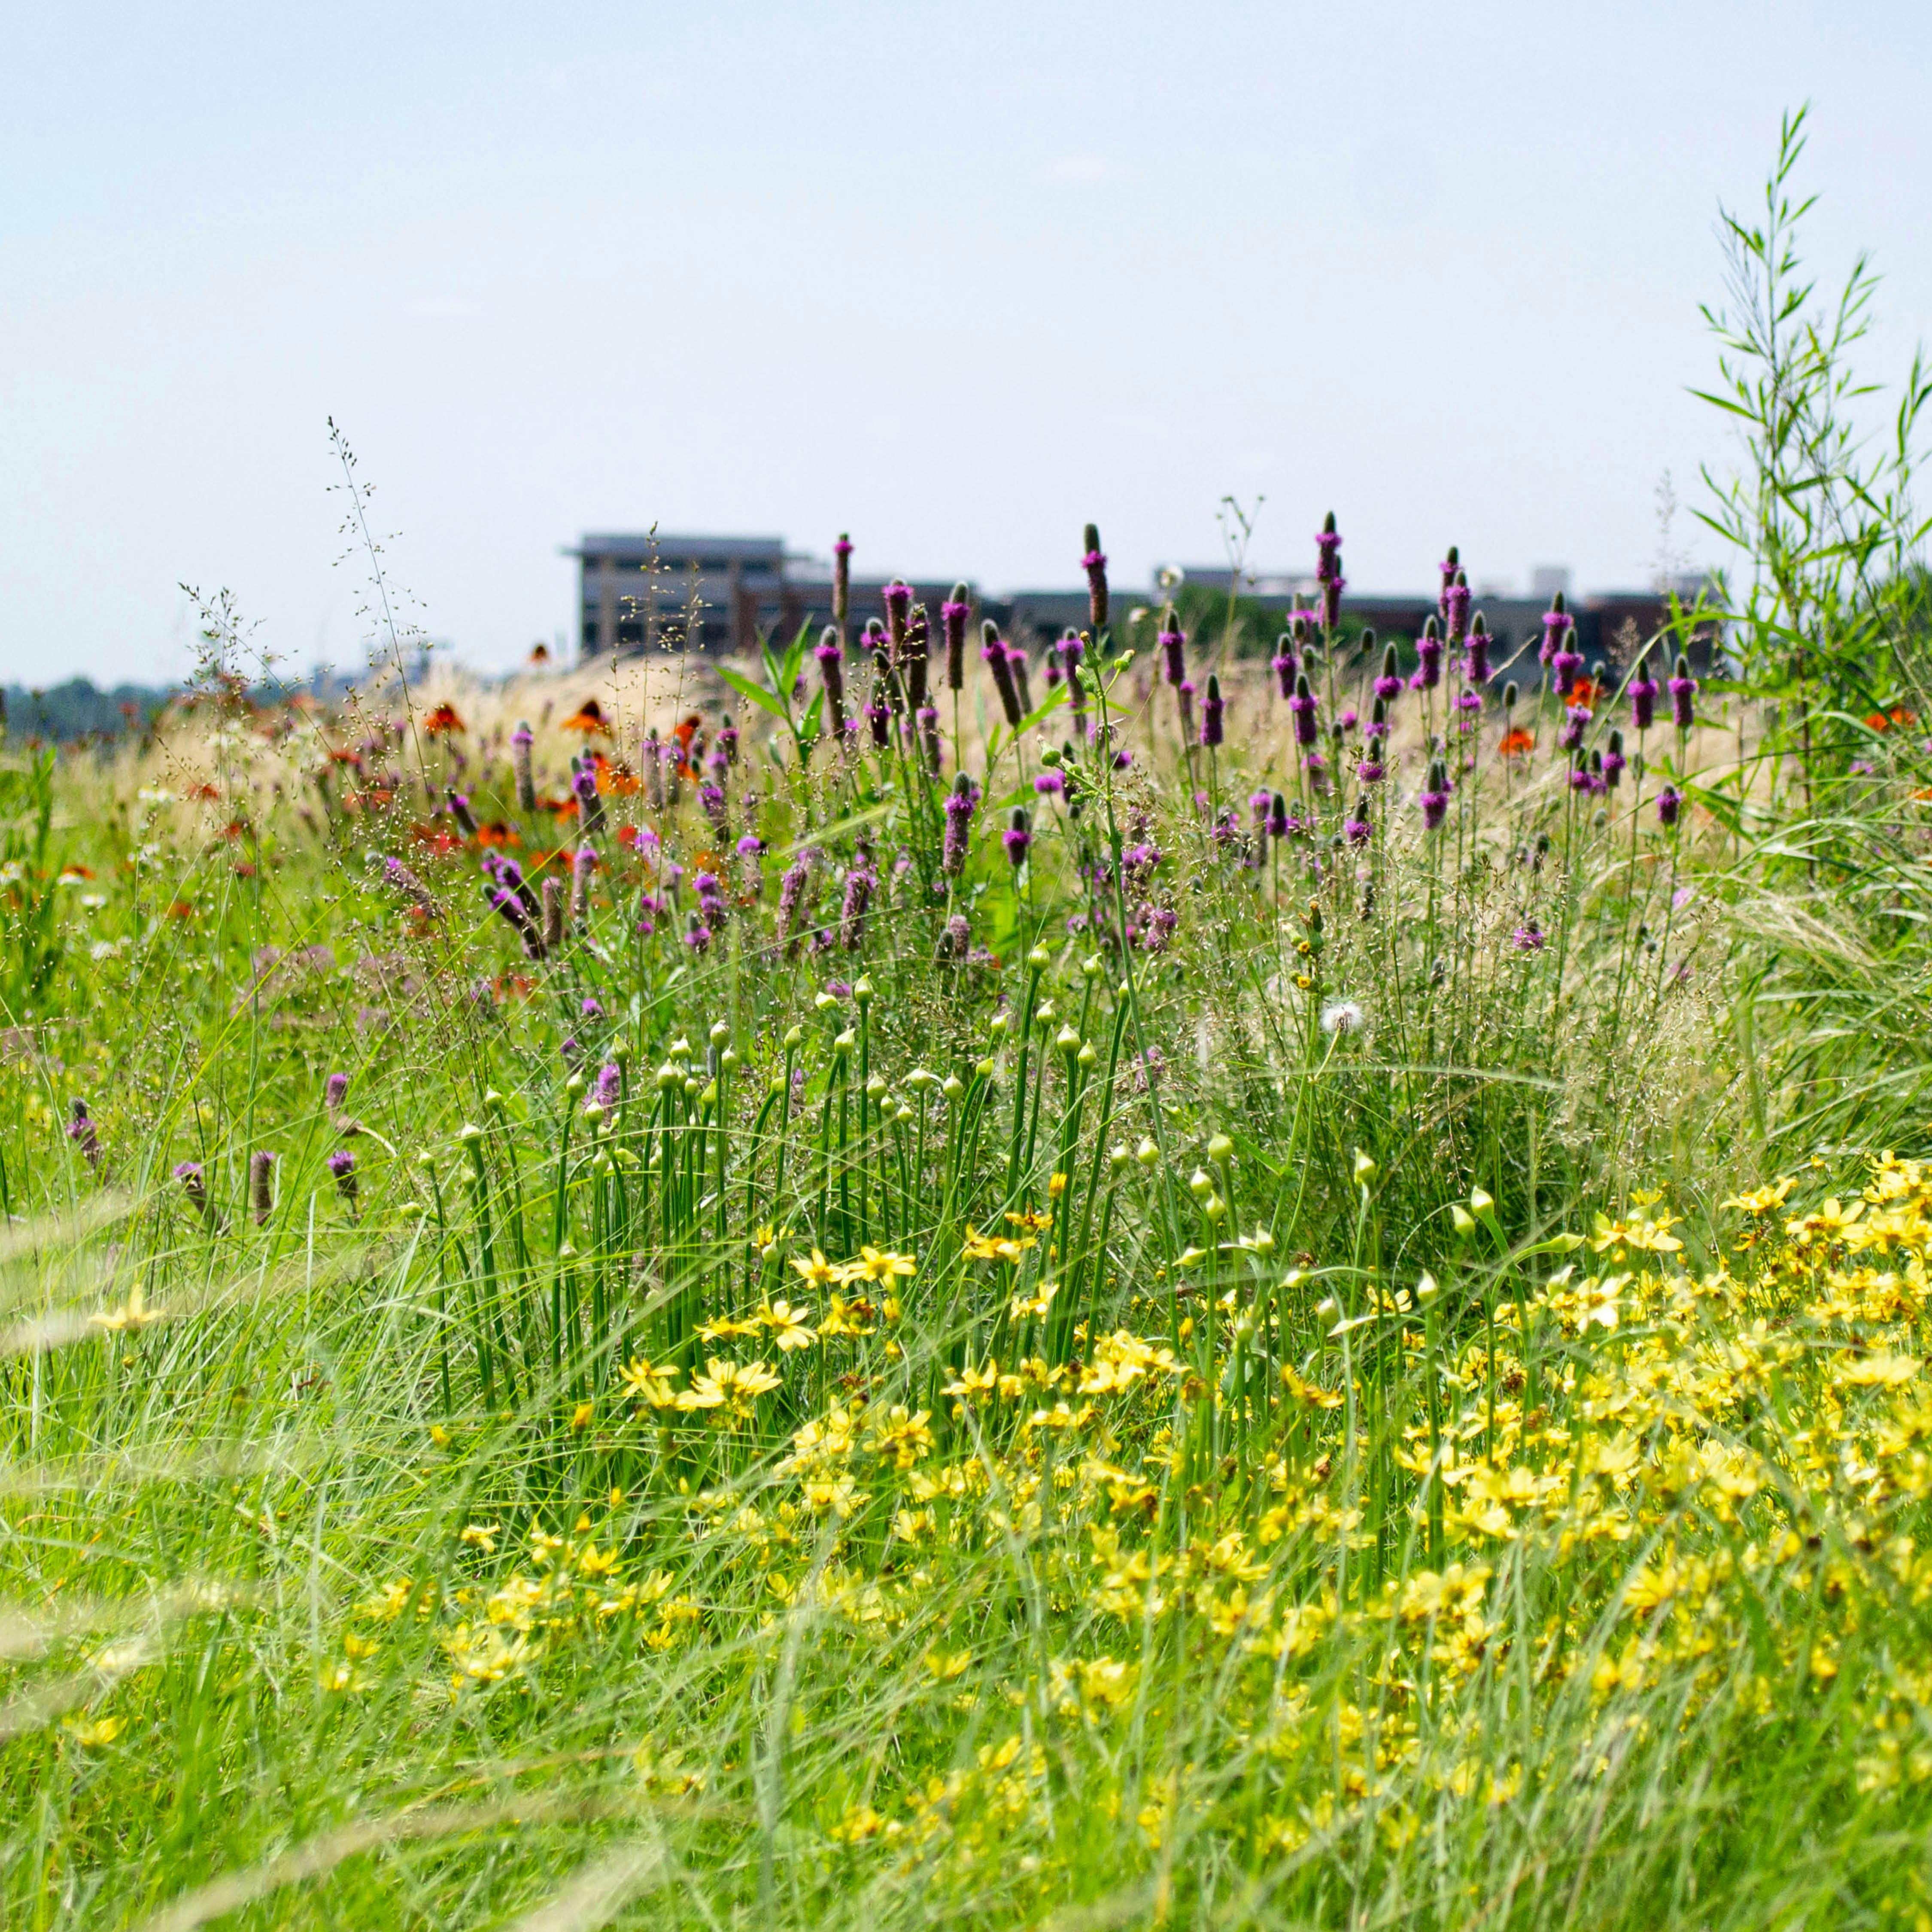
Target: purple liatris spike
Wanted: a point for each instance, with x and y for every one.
(1641, 691)
(342, 1164)
(831, 657)
(1016, 663)
(993, 655)
(1094, 563)
(957, 939)
(918, 646)
(261, 1183)
(1017, 837)
(1356, 828)
(1614, 760)
(459, 810)
(80, 1131)
(1448, 568)
(335, 1091)
(1576, 722)
(1555, 627)
(710, 891)
(1670, 803)
(952, 616)
(1456, 609)
(861, 883)
(607, 1089)
(1282, 664)
(1173, 642)
(1478, 647)
(521, 741)
(1683, 695)
(712, 798)
(899, 614)
(842, 577)
(959, 804)
(1564, 665)
(1258, 802)
(1213, 707)
(1434, 796)
(1183, 693)
(728, 740)
(1278, 818)
(879, 717)
(697, 934)
(1302, 704)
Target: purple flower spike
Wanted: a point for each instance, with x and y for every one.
(842, 577)
(1456, 609)
(1355, 828)
(1279, 821)
(1614, 760)
(1576, 722)
(1173, 642)
(1555, 627)
(898, 611)
(1388, 685)
(1302, 704)
(1016, 663)
(861, 883)
(521, 740)
(697, 935)
(1565, 664)
(1683, 695)
(1017, 838)
(1434, 797)
(80, 1131)
(342, 1164)
(1429, 654)
(1213, 707)
(952, 616)
(1328, 571)
(261, 1186)
(1448, 568)
(1050, 785)
(1670, 803)
(959, 803)
(1184, 692)
(1527, 937)
(993, 655)
(607, 1089)
(1477, 645)
(1283, 665)
(335, 1091)
(1094, 563)
(1642, 691)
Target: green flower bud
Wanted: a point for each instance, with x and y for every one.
(680, 1049)
(822, 1000)
(845, 1042)
(1147, 1154)
(1117, 1156)
(861, 991)
(1462, 1221)
(794, 1038)
(594, 1112)
(494, 1101)
(669, 1075)
(1213, 1207)
(720, 1033)
(1426, 1290)
(1039, 958)
(1365, 1167)
(984, 1069)
(1067, 1040)
(1087, 1056)
(1199, 1185)
(729, 1058)
(952, 1087)
(469, 1133)
(875, 1087)
(1090, 967)
(1220, 1149)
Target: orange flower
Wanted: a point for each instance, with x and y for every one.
(1585, 691)
(618, 780)
(539, 653)
(498, 832)
(1877, 720)
(589, 719)
(442, 721)
(1517, 743)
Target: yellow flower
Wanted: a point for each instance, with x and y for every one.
(767, 1238)
(93, 1733)
(1877, 1371)
(878, 1265)
(1762, 1200)
(733, 1386)
(818, 1272)
(790, 1326)
(840, 1320)
(481, 1536)
(650, 1383)
(1031, 1218)
(726, 1328)
(581, 1416)
(1056, 1187)
(974, 1382)
(994, 1247)
(136, 1315)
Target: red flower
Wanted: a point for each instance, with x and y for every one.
(442, 721)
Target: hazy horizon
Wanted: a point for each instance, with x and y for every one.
(956, 283)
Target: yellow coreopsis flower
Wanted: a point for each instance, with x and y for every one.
(994, 1247)
(648, 1383)
(790, 1327)
(136, 1315)
(879, 1264)
(818, 1272)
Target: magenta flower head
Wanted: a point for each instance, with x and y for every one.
(1388, 685)
(1073, 649)
(728, 740)
(1576, 722)
(993, 655)
(861, 883)
(1184, 692)
(1478, 647)
(1258, 802)
(589, 803)
(1283, 664)
(899, 614)
(697, 934)
(459, 810)
(1683, 693)
(1050, 785)
(607, 1089)
(872, 640)
(1456, 609)
(1278, 819)
(1670, 803)
(1434, 796)
(1555, 627)
(879, 716)
(952, 616)
(1429, 654)
(1527, 937)
(1641, 691)
(1212, 706)
(1328, 571)
(959, 803)
(831, 658)
(1614, 760)
(842, 577)
(1356, 828)
(1448, 568)
(261, 1183)
(1377, 727)
(335, 1091)
(791, 888)
(1017, 837)
(1173, 641)
(521, 740)
(1094, 563)
(80, 1131)
(1303, 705)
(1016, 663)
(342, 1164)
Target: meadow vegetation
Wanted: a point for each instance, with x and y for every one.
(951, 1278)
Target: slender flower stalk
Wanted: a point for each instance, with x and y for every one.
(993, 655)
(1094, 563)
(1213, 707)
(831, 656)
(1683, 695)
(1642, 692)
(960, 803)
(522, 741)
(1328, 572)
(841, 582)
(952, 616)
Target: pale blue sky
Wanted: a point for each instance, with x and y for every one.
(956, 278)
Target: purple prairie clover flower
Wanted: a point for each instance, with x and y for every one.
(750, 850)
(1157, 929)
(697, 935)
(1579, 777)
(459, 810)
(861, 883)
(583, 866)
(1173, 642)
(728, 740)
(929, 734)
(1564, 665)
(607, 1089)
(590, 805)
(1055, 677)
(1456, 609)
(1378, 725)
(1448, 569)
(1302, 704)
(1469, 702)
(1528, 937)
(1094, 563)
(522, 739)
(1016, 662)
(1213, 707)
(899, 614)
(914, 659)
(1183, 695)
(1642, 692)
(872, 641)
(1614, 760)
(516, 915)
(592, 1008)
(1356, 827)
(80, 1131)
(1328, 571)
(1477, 665)
(1434, 796)
(1283, 664)
(711, 902)
(1429, 653)
(1279, 822)
(1388, 685)
(1371, 770)
(1576, 722)
(831, 656)
(1348, 721)
(955, 939)
(1556, 628)
(1258, 802)
(879, 717)
(1123, 759)
(1683, 693)
(1050, 785)
(791, 888)
(334, 1090)
(1073, 649)
(1670, 803)
(342, 1164)
(959, 804)
(993, 655)
(842, 577)
(1137, 863)
(1017, 837)
(261, 1183)
(952, 616)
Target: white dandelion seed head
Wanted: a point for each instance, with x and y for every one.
(1340, 1016)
